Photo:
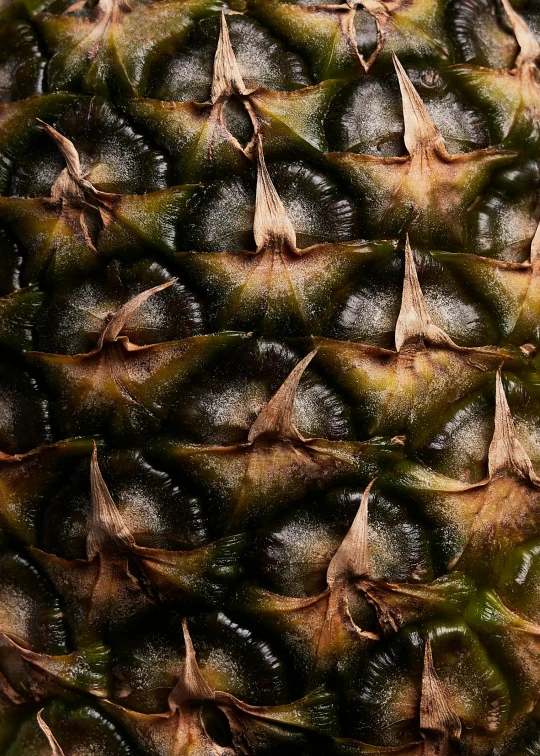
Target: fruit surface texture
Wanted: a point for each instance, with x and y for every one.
(269, 378)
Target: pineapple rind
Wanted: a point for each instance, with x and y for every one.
(269, 384)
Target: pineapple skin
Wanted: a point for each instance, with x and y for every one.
(269, 378)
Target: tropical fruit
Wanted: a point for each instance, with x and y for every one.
(269, 378)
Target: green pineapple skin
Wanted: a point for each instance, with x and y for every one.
(269, 378)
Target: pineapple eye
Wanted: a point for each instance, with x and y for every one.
(232, 658)
(221, 217)
(291, 556)
(367, 117)
(389, 683)
(160, 513)
(262, 59)
(113, 156)
(223, 404)
(81, 312)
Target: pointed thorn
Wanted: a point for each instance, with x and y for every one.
(421, 134)
(528, 46)
(437, 720)
(121, 317)
(55, 748)
(108, 532)
(191, 685)
(506, 452)
(227, 79)
(352, 559)
(272, 227)
(414, 325)
(275, 419)
(66, 147)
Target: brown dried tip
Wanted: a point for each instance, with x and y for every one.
(506, 452)
(55, 748)
(191, 685)
(351, 560)
(275, 419)
(438, 722)
(272, 227)
(71, 186)
(421, 134)
(528, 46)
(108, 532)
(121, 317)
(67, 148)
(414, 325)
(227, 79)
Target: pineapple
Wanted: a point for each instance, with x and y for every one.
(269, 393)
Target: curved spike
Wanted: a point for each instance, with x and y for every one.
(121, 317)
(438, 722)
(528, 46)
(108, 532)
(276, 417)
(352, 557)
(67, 148)
(55, 748)
(506, 452)
(227, 79)
(420, 132)
(414, 324)
(71, 185)
(191, 685)
(272, 227)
